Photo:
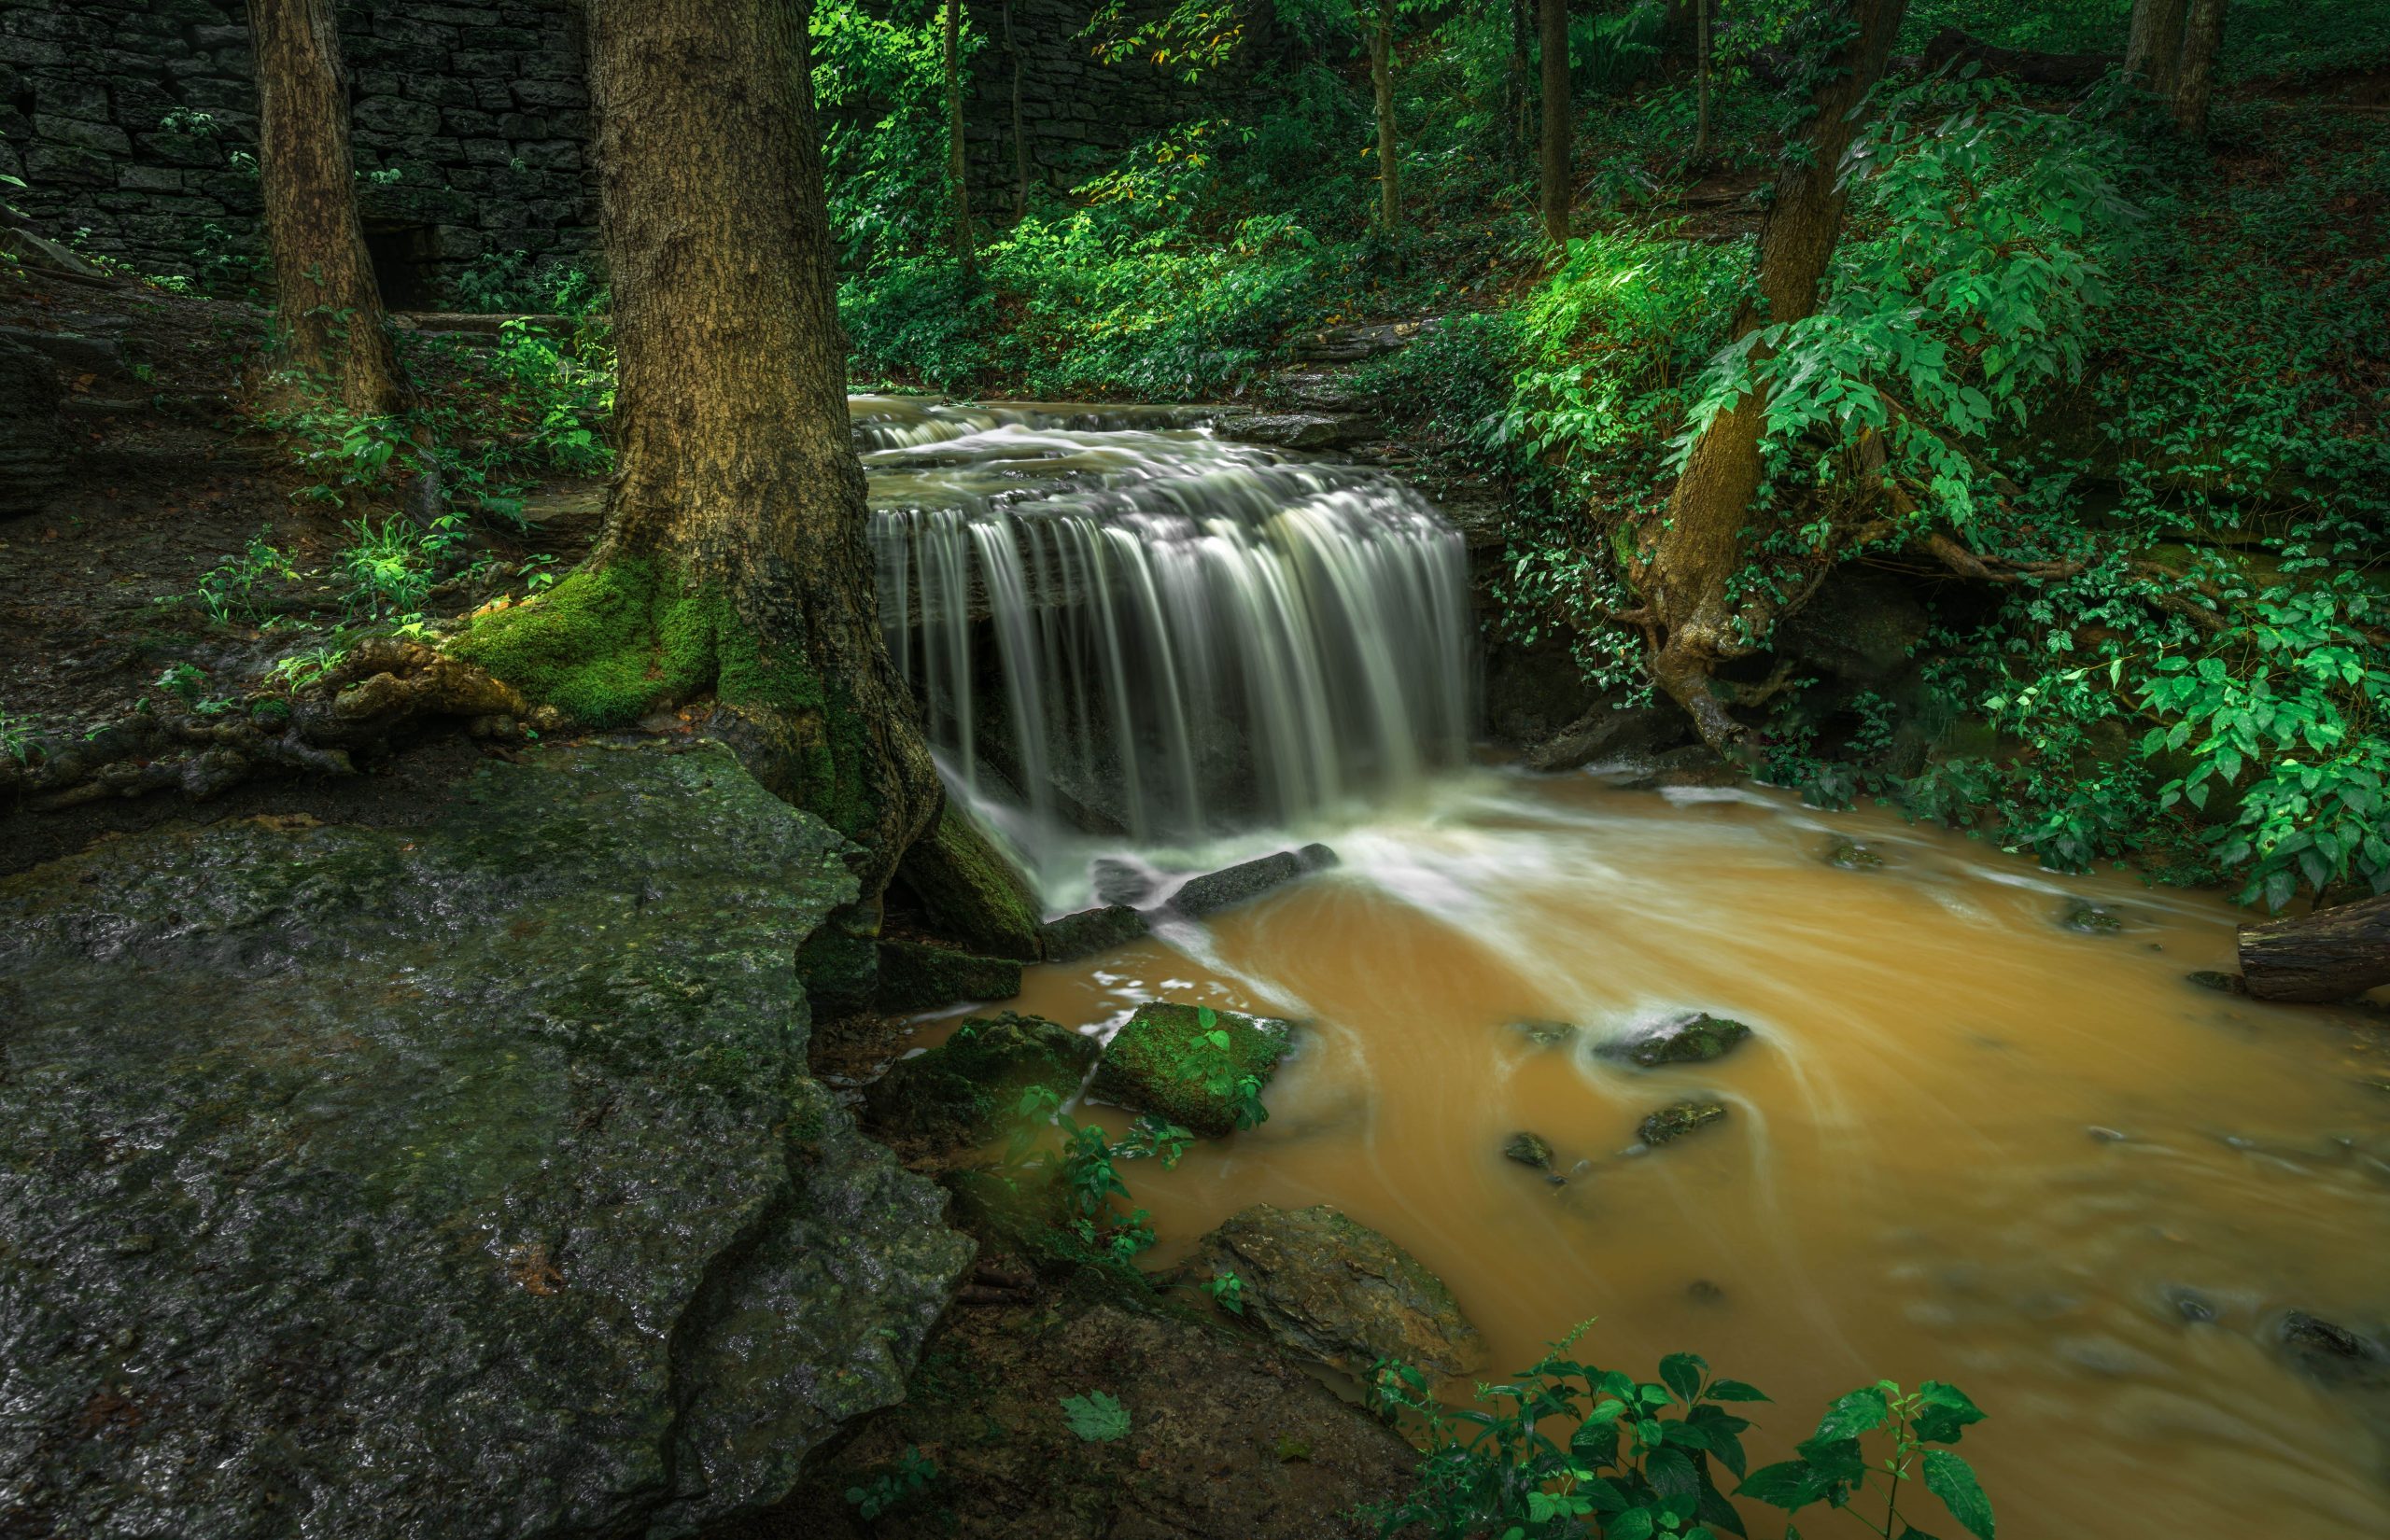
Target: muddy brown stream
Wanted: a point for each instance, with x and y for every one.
(1921, 1175)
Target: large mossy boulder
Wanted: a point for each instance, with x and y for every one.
(1167, 1059)
(961, 1092)
(1695, 1037)
(1329, 1286)
(971, 890)
(461, 1180)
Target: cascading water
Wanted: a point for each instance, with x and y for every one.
(1126, 623)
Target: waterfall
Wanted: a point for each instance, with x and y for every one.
(1122, 623)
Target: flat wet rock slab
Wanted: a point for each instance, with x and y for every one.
(464, 1180)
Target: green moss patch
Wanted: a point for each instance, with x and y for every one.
(1169, 1061)
(961, 1092)
(604, 647)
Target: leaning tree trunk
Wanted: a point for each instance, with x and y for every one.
(2154, 45)
(329, 310)
(734, 556)
(1559, 171)
(1390, 148)
(957, 164)
(2331, 954)
(2202, 40)
(1685, 579)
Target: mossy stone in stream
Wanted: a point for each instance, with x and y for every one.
(1330, 1287)
(1530, 1150)
(1696, 1037)
(917, 978)
(961, 1092)
(1545, 1034)
(1851, 856)
(970, 890)
(1670, 1124)
(1164, 1061)
(2222, 983)
(1092, 931)
(463, 1180)
(1230, 886)
(2088, 919)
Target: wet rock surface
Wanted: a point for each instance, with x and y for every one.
(1696, 1037)
(2333, 1353)
(1606, 733)
(959, 1092)
(2085, 917)
(914, 976)
(462, 1180)
(1528, 1149)
(1214, 891)
(1163, 1061)
(1851, 856)
(1330, 1287)
(1542, 1033)
(1092, 930)
(1670, 1124)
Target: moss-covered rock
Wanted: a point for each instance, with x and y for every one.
(459, 1179)
(961, 1092)
(1092, 931)
(1166, 1061)
(1695, 1037)
(1542, 1033)
(2085, 917)
(970, 890)
(1530, 1150)
(1330, 1287)
(917, 977)
(1851, 856)
(1670, 1124)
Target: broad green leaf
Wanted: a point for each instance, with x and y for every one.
(1733, 1390)
(1949, 1477)
(1944, 1412)
(1097, 1418)
(1789, 1484)
(1681, 1372)
(1860, 1411)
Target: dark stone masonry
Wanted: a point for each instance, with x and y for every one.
(131, 123)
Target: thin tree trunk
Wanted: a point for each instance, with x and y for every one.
(2202, 40)
(1517, 101)
(739, 503)
(2154, 45)
(1701, 81)
(1689, 567)
(958, 165)
(1558, 171)
(1390, 148)
(1019, 136)
(329, 309)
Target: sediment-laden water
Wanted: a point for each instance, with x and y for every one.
(1967, 1142)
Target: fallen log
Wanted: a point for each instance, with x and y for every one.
(2028, 65)
(2328, 955)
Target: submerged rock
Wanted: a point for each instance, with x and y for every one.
(1331, 1287)
(917, 978)
(1164, 1062)
(1695, 1037)
(2089, 918)
(1693, 766)
(1530, 1150)
(1851, 856)
(2222, 983)
(1092, 931)
(959, 1092)
(1232, 885)
(458, 1179)
(1670, 1124)
(2332, 1352)
(1118, 881)
(1545, 1034)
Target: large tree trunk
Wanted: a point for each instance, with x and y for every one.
(328, 308)
(1389, 148)
(2154, 44)
(2331, 954)
(2202, 40)
(1686, 571)
(1518, 102)
(735, 553)
(958, 165)
(1558, 168)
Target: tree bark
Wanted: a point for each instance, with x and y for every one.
(957, 164)
(1559, 171)
(326, 302)
(1687, 569)
(1390, 148)
(2194, 82)
(2329, 955)
(2154, 44)
(738, 507)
